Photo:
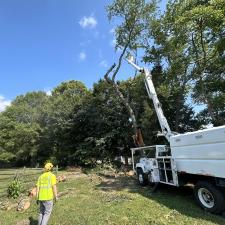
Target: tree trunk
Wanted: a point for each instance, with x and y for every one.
(128, 107)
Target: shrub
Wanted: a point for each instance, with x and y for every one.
(14, 189)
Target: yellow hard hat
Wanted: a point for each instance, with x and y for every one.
(48, 166)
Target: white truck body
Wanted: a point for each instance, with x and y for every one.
(201, 152)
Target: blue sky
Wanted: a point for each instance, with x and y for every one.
(46, 42)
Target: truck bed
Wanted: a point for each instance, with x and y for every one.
(201, 152)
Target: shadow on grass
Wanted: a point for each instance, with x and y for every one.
(179, 199)
(33, 221)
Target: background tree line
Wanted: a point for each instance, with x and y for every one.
(75, 125)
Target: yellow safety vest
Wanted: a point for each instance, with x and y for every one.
(45, 183)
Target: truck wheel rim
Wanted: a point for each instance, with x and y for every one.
(206, 198)
(140, 177)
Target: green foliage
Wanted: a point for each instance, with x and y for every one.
(6, 157)
(131, 14)
(74, 125)
(14, 189)
(57, 140)
(100, 126)
(189, 37)
(19, 140)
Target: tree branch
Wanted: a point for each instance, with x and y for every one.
(106, 76)
(202, 44)
(116, 86)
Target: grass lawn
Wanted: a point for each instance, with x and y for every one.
(100, 200)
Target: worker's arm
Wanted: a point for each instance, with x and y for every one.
(37, 191)
(37, 194)
(55, 192)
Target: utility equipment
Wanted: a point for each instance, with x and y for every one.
(196, 158)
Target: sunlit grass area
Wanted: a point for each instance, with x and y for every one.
(97, 199)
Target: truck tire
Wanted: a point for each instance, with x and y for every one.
(209, 197)
(142, 177)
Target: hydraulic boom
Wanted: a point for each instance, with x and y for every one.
(152, 94)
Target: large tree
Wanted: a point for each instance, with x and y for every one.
(158, 40)
(131, 15)
(100, 126)
(21, 127)
(57, 143)
(189, 40)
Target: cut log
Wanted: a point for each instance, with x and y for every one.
(24, 204)
(130, 173)
(61, 178)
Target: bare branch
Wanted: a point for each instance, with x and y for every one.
(119, 63)
(106, 76)
(122, 54)
(202, 44)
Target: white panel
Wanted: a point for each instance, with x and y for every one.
(200, 152)
(203, 151)
(215, 168)
(212, 135)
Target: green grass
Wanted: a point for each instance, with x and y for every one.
(101, 200)
(26, 176)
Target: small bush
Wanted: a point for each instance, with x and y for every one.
(14, 189)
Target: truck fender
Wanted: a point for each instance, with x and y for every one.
(141, 166)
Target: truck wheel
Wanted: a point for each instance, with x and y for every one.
(209, 197)
(142, 178)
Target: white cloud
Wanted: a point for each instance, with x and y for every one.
(4, 103)
(88, 22)
(103, 63)
(82, 56)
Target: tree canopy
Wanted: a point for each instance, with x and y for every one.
(185, 47)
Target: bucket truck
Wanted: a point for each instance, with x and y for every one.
(196, 158)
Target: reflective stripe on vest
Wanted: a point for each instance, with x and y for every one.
(43, 179)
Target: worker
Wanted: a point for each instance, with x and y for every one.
(46, 193)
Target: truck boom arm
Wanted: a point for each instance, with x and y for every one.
(153, 95)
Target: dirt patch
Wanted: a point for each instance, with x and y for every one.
(114, 196)
(74, 169)
(75, 175)
(116, 183)
(23, 222)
